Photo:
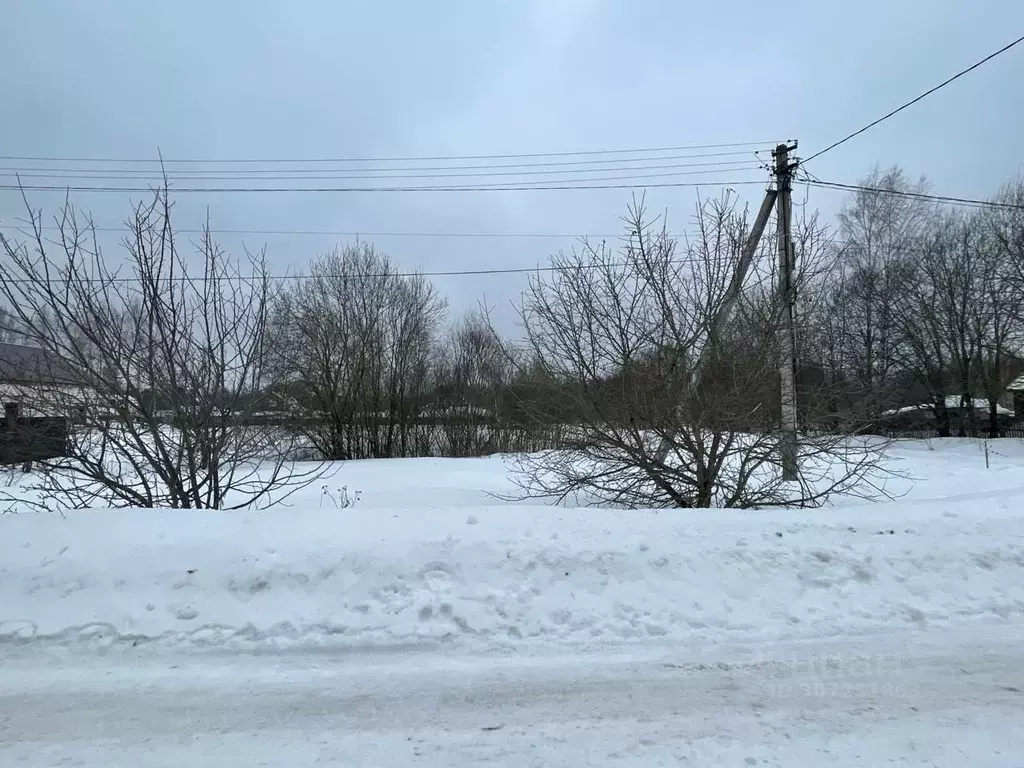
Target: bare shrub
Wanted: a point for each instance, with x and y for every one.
(661, 404)
(158, 361)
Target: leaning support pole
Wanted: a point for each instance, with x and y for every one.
(732, 295)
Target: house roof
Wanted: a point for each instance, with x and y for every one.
(952, 403)
(23, 364)
(1017, 385)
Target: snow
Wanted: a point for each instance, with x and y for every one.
(429, 555)
(435, 622)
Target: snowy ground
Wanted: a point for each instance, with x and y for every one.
(435, 625)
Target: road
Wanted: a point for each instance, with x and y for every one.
(927, 698)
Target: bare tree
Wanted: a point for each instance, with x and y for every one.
(160, 364)
(472, 381)
(955, 326)
(999, 309)
(352, 346)
(923, 298)
(620, 334)
(997, 318)
(1005, 225)
(879, 235)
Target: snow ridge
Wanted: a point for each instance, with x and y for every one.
(502, 577)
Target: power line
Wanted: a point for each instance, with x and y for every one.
(964, 201)
(423, 158)
(693, 259)
(378, 275)
(498, 166)
(503, 187)
(715, 168)
(353, 233)
(930, 91)
(217, 232)
(407, 274)
(696, 259)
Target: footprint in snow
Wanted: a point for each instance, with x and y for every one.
(184, 612)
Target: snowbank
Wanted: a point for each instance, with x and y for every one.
(428, 555)
(502, 576)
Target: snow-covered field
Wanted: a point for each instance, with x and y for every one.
(435, 624)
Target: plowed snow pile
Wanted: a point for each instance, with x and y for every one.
(427, 555)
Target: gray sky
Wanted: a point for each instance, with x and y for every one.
(460, 77)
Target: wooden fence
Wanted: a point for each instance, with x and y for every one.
(1011, 433)
(34, 438)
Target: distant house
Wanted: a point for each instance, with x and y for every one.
(921, 417)
(40, 399)
(1015, 395)
(40, 383)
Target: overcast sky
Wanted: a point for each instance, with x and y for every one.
(340, 78)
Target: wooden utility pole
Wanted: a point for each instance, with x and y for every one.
(787, 299)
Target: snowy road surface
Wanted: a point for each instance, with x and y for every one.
(945, 698)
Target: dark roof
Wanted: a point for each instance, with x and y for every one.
(22, 364)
